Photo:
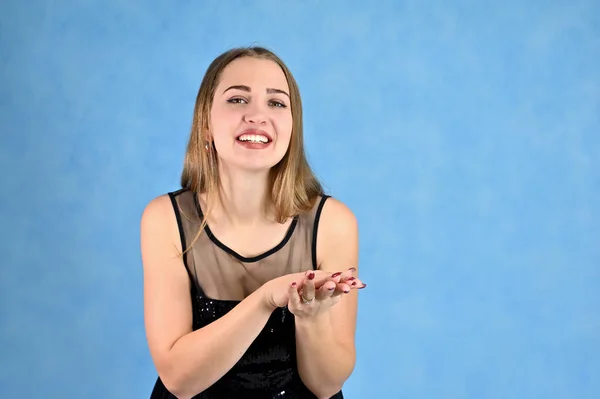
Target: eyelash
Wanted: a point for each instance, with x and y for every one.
(278, 104)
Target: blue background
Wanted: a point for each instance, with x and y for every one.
(465, 136)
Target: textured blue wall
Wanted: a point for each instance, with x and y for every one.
(465, 136)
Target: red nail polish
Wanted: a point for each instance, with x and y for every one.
(294, 284)
(346, 291)
(354, 283)
(351, 278)
(311, 276)
(334, 275)
(331, 288)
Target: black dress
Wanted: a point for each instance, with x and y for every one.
(268, 369)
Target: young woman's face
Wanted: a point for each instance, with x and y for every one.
(251, 116)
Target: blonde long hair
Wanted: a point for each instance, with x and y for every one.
(293, 185)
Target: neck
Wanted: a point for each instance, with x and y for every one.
(244, 197)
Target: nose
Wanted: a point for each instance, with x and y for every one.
(255, 114)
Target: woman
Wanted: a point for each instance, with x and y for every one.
(249, 269)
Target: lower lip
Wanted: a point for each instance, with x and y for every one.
(253, 146)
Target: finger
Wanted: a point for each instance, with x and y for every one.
(348, 273)
(358, 285)
(355, 283)
(293, 296)
(326, 291)
(345, 274)
(320, 278)
(335, 277)
(308, 286)
(341, 289)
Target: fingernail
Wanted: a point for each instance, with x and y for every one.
(363, 286)
(354, 283)
(352, 269)
(311, 275)
(294, 284)
(331, 288)
(346, 291)
(351, 278)
(334, 275)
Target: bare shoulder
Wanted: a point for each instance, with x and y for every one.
(337, 216)
(158, 210)
(337, 240)
(158, 220)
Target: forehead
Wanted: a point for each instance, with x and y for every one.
(254, 72)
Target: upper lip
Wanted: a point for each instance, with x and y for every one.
(256, 132)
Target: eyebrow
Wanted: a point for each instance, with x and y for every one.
(246, 88)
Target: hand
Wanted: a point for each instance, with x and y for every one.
(276, 292)
(311, 297)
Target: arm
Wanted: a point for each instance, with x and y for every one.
(325, 344)
(188, 362)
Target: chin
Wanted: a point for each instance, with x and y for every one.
(252, 166)
(258, 168)
(254, 163)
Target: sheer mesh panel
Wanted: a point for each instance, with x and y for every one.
(220, 273)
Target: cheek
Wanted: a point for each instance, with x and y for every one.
(284, 126)
(219, 122)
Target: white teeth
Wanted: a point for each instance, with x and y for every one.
(253, 138)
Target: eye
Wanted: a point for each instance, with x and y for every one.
(277, 103)
(236, 100)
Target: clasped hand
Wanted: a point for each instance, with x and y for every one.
(318, 291)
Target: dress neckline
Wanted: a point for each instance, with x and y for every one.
(232, 252)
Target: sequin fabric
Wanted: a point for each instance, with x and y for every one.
(268, 364)
(267, 369)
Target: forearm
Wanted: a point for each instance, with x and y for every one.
(198, 359)
(324, 363)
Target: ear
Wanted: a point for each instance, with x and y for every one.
(209, 144)
(207, 136)
(206, 130)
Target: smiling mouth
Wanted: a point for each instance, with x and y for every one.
(254, 138)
